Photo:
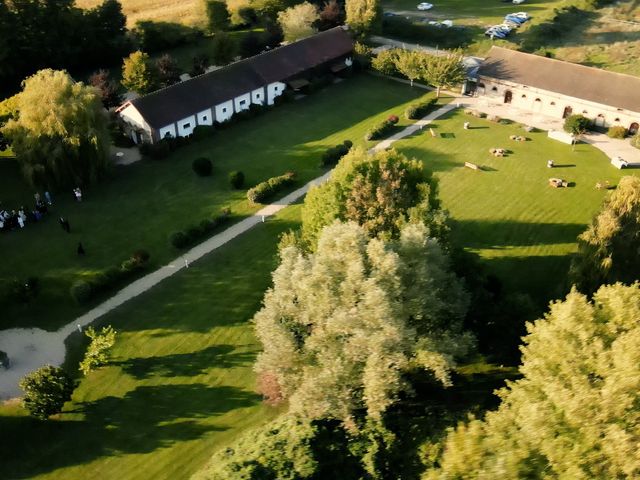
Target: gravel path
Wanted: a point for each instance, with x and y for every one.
(29, 349)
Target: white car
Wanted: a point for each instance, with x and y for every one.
(518, 2)
(425, 6)
(447, 23)
(522, 15)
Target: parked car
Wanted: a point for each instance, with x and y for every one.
(512, 25)
(511, 18)
(425, 6)
(447, 23)
(523, 15)
(389, 14)
(518, 2)
(503, 28)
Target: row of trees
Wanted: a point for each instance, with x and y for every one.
(444, 70)
(36, 34)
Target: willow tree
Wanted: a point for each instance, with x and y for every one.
(608, 251)
(340, 327)
(60, 135)
(574, 414)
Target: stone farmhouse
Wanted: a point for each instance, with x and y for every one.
(559, 89)
(215, 96)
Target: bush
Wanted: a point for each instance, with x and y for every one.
(635, 141)
(157, 36)
(45, 391)
(270, 187)
(141, 256)
(393, 119)
(156, 151)
(576, 124)
(334, 154)
(193, 233)
(419, 110)
(203, 131)
(81, 292)
(236, 179)
(202, 166)
(379, 131)
(617, 132)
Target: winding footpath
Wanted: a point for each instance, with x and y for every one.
(29, 349)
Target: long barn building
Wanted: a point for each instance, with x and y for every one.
(215, 96)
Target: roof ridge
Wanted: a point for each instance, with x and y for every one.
(236, 62)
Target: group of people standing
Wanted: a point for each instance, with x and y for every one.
(12, 220)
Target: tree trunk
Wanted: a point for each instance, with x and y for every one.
(438, 91)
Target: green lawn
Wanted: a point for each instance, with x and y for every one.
(180, 384)
(143, 203)
(522, 229)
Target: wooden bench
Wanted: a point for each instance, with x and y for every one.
(472, 166)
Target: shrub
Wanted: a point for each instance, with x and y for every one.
(236, 179)
(141, 256)
(178, 239)
(635, 141)
(269, 187)
(81, 291)
(379, 131)
(576, 124)
(129, 265)
(45, 391)
(419, 110)
(156, 151)
(99, 349)
(333, 154)
(393, 119)
(617, 132)
(203, 131)
(202, 166)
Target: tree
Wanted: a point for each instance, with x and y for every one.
(199, 65)
(380, 191)
(364, 16)
(223, 49)
(386, 60)
(574, 413)
(331, 15)
(576, 124)
(108, 88)
(167, 70)
(218, 18)
(608, 249)
(45, 391)
(411, 64)
(298, 21)
(99, 349)
(61, 136)
(444, 70)
(340, 327)
(251, 44)
(138, 74)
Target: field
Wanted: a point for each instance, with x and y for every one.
(522, 229)
(143, 203)
(188, 12)
(180, 384)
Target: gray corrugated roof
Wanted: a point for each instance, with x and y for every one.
(587, 83)
(197, 94)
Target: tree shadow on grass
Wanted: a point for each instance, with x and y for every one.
(186, 364)
(144, 420)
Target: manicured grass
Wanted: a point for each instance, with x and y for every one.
(522, 229)
(143, 203)
(179, 386)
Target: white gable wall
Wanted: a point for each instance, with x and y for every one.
(224, 111)
(274, 90)
(186, 126)
(205, 117)
(243, 102)
(133, 117)
(257, 96)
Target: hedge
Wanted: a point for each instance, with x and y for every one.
(82, 291)
(268, 188)
(194, 233)
(380, 130)
(419, 110)
(334, 154)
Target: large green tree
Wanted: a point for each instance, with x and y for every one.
(364, 16)
(298, 21)
(60, 136)
(218, 17)
(340, 327)
(444, 70)
(380, 191)
(223, 49)
(609, 250)
(574, 414)
(45, 391)
(138, 74)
